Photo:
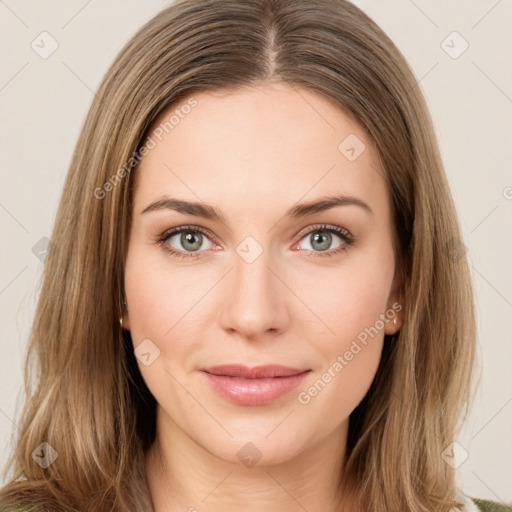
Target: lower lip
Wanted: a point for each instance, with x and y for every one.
(254, 391)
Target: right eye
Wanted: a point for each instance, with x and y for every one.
(191, 239)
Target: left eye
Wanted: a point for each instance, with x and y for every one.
(320, 239)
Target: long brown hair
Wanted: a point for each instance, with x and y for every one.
(87, 399)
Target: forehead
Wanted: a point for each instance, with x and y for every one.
(258, 145)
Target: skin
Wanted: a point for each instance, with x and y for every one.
(253, 153)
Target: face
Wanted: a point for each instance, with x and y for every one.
(264, 281)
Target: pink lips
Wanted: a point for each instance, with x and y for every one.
(253, 386)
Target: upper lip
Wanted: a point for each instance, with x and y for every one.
(256, 372)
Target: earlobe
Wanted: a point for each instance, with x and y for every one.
(395, 305)
(124, 322)
(393, 324)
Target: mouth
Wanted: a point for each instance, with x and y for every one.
(253, 386)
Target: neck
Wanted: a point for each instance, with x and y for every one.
(183, 476)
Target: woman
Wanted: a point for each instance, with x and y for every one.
(295, 356)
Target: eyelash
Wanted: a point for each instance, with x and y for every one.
(345, 235)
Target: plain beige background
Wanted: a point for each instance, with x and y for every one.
(43, 102)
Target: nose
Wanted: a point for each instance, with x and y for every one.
(254, 299)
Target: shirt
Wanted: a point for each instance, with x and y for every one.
(476, 505)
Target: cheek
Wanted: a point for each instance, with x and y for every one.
(351, 355)
(164, 307)
(353, 313)
(351, 302)
(160, 298)
(347, 298)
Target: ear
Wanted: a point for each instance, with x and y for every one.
(394, 305)
(125, 318)
(126, 321)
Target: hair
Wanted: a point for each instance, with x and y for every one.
(87, 398)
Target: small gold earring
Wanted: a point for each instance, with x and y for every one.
(121, 322)
(395, 321)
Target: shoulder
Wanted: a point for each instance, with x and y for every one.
(491, 506)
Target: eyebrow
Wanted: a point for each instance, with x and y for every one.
(299, 210)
